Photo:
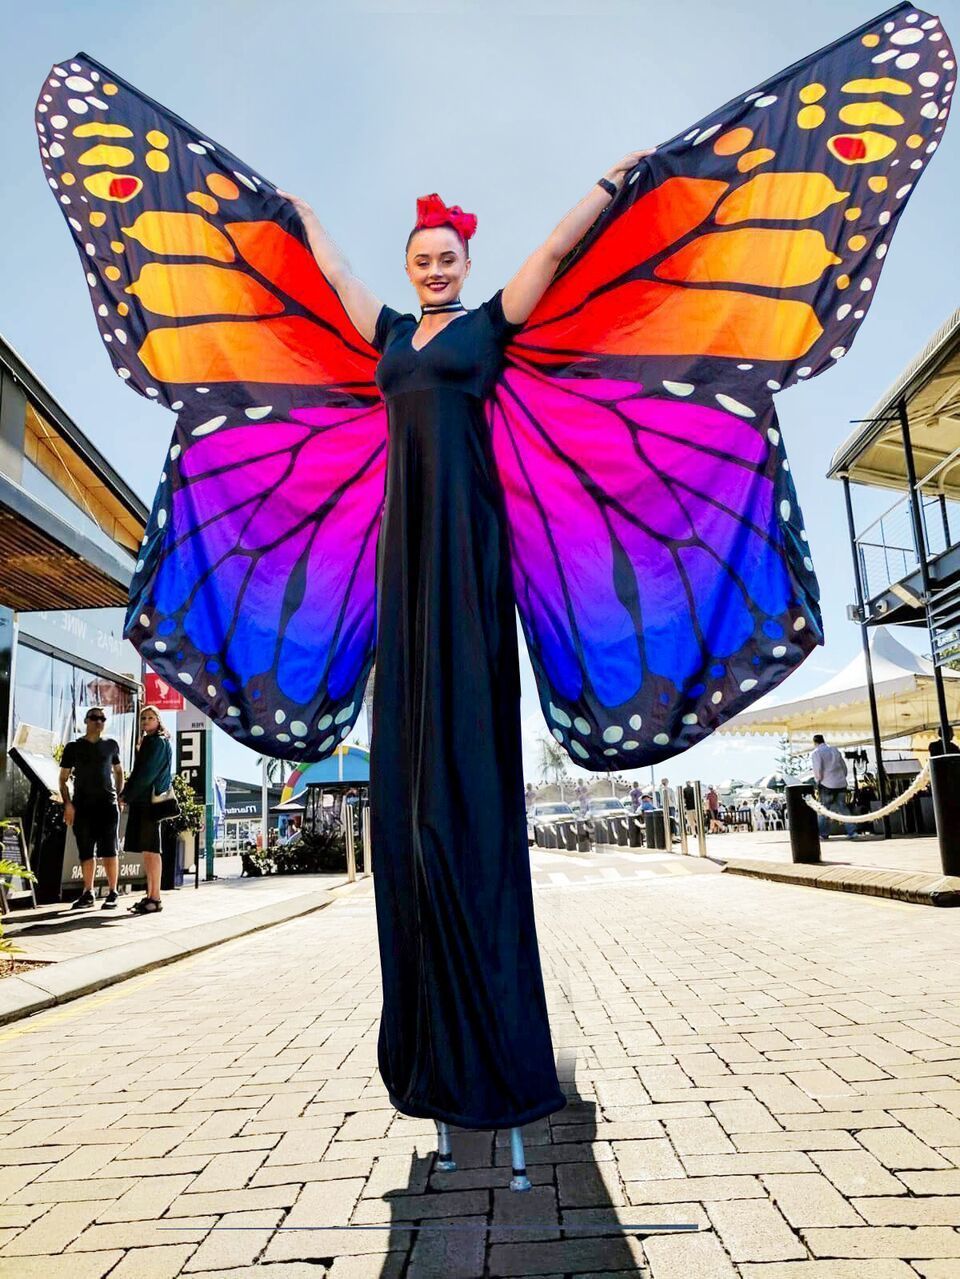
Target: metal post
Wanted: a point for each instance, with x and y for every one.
(682, 819)
(946, 522)
(921, 545)
(349, 841)
(701, 830)
(667, 829)
(867, 657)
(264, 802)
(365, 834)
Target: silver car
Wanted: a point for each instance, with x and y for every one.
(547, 815)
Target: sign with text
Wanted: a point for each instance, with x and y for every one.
(130, 865)
(158, 693)
(195, 765)
(13, 848)
(194, 751)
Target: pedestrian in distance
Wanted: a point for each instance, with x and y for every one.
(152, 774)
(93, 762)
(715, 825)
(830, 773)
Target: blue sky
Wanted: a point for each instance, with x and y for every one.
(511, 110)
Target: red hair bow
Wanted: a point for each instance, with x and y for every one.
(431, 211)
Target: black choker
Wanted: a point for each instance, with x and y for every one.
(443, 306)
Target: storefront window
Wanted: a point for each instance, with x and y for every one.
(55, 694)
(33, 681)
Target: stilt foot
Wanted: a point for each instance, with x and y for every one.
(519, 1180)
(445, 1161)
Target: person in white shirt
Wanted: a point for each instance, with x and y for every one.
(830, 773)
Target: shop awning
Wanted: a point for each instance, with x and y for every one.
(80, 556)
(45, 563)
(930, 385)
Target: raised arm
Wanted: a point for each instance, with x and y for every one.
(360, 304)
(527, 287)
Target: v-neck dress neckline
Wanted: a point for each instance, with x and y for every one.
(418, 350)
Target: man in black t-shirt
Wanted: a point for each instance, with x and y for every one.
(94, 811)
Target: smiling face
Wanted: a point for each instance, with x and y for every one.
(437, 265)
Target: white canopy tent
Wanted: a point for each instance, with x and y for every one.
(840, 709)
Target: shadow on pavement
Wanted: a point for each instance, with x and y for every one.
(491, 1229)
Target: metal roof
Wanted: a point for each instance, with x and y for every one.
(930, 387)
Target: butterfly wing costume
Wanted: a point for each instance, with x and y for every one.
(613, 467)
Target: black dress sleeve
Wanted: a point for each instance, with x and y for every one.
(503, 330)
(387, 318)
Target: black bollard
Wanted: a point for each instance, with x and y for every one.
(584, 840)
(653, 822)
(802, 821)
(636, 831)
(945, 787)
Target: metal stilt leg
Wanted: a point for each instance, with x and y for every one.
(445, 1160)
(519, 1180)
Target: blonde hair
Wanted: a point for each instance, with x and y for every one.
(152, 710)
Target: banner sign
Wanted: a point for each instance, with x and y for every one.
(158, 693)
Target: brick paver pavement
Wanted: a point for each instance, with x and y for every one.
(776, 1067)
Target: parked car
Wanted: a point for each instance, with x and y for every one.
(608, 807)
(547, 815)
(608, 818)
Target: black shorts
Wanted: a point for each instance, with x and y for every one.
(143, 829)
(95, 828)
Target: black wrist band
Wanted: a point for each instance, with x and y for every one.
(607, 186)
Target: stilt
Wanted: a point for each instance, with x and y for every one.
(445, 1160)
(519, 1180)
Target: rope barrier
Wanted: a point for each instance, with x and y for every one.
(918, 783)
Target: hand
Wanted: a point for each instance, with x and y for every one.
(69, 813)
(303, 209)
(619, 171)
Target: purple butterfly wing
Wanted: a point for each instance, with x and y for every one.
(255, 593)
(651, 573)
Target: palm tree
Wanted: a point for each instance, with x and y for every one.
(553, 762)
(276, 769)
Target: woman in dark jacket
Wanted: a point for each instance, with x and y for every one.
(152, 774)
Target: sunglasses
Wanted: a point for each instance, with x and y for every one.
(102, 719)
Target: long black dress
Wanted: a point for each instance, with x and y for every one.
(464, 1033)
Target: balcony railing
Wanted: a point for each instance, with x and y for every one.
(887, 548)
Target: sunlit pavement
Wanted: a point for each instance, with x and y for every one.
(916, 853)
(777, 1067)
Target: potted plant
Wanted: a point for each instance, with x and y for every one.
(190, 822)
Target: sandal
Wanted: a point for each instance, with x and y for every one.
(146, 906)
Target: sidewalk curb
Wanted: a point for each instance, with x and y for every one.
(53, 984)
(919, 887)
